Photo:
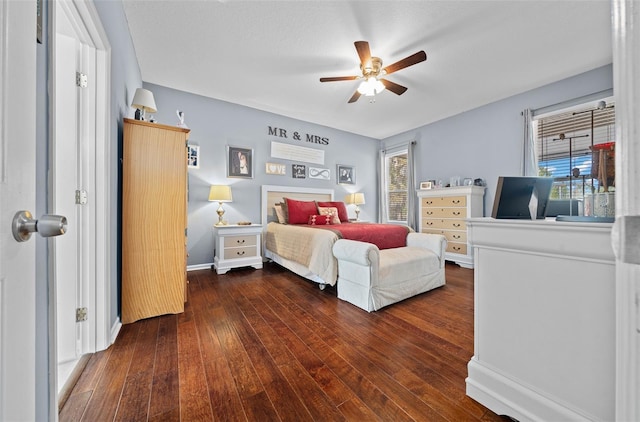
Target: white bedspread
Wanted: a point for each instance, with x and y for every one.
(306, 246)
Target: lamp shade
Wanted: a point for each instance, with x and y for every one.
(143, 99)
(220, 193)
(355, 198)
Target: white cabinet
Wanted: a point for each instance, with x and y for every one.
(237, 246)
(544, 344)
(444, 211)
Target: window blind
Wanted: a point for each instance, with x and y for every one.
(565, 145)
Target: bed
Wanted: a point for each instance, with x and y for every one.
(307, 251)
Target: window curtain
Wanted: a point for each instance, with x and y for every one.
(529, 158)
(382, 188)
(412, 214)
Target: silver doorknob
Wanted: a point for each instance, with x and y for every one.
(48, 225)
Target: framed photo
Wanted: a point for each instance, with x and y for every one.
(239, 162)
(299, 171)
(426, 185)
(193, 156)
(346, 175)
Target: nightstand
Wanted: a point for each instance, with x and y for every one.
(237, 246)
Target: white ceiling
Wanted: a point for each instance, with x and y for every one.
(269, 55)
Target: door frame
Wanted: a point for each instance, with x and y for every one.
(96, 178)
(626, 65)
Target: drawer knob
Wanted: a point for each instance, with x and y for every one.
(429, 212)
(456, 201)
(456, 248)
(240, 253)
(457, 213)
(240, 241)
(455, 236)
(456, 224)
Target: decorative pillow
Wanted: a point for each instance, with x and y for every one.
(318, 220)
(280, 213)
(343, 215)
(331, 212)
(298, 212)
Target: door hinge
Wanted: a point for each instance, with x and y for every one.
(81, 314)
(81, 197)
(81, 80)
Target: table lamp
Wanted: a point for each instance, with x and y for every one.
(356, 199)
(220, 193)
(143, 100)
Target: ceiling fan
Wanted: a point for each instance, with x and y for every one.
(373, 72)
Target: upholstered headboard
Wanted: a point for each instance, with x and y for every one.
(271, 195)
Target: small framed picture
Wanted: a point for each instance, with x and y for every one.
(239, 162)
(319, 173)
(193, 156)
(346, 174)
(299, 171)
(426, 185)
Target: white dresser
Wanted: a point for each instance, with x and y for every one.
(444, 211)
(237, 246)
(544, 343)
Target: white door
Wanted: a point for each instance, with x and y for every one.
(17, 192)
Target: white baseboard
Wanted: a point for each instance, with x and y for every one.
(506, 396)
(115, 329)
(199, 267)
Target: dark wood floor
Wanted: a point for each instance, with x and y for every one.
(264, 345)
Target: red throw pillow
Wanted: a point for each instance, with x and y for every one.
(342, 209)
(319, 220)
(298, 212)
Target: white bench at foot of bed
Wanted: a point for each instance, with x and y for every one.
(371, 278)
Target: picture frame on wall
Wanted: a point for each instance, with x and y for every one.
(346, 174)
(239, 162)
(193, 156)
(299, 171)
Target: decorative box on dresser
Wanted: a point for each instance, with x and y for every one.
(154, 220)
(237, 246)
(444, 211)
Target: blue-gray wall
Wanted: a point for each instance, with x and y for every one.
(487, 142)
(215, 124)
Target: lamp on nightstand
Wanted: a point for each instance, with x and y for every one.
(220, 193)
(356, 199)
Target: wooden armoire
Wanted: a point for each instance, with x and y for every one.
(154, 220)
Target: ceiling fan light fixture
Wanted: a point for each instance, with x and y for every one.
(370, 87)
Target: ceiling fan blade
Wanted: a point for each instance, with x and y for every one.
(393, 87)
(354, 97)
(418, 57)
(339, 78)
(363, 51)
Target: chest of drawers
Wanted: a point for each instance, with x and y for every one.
(444, 211)
(237, 246)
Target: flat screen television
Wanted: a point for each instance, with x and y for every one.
(517, 197)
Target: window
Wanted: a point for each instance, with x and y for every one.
(396, 186)
(576, 148)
